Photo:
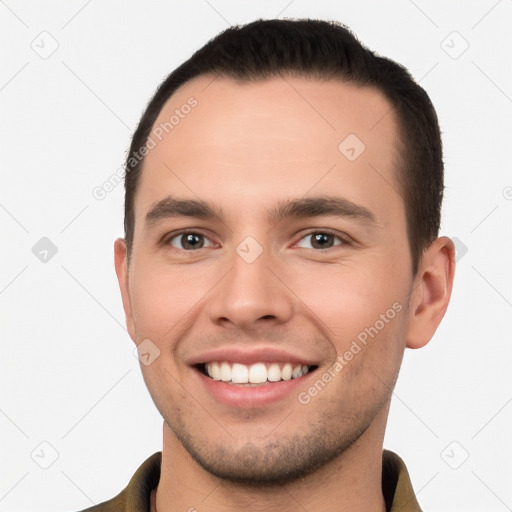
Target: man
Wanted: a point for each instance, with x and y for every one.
(283, 198)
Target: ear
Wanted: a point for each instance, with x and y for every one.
(121, 264)
(431, 292)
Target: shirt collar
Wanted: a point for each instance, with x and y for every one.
(396, 485)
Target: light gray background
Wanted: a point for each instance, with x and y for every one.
(68, 376)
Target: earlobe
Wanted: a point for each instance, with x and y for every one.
(432, 292)
(121, 265)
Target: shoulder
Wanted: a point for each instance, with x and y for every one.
(116, 504)
(396, 484)
(135, 497)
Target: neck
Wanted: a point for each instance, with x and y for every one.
(351, 482)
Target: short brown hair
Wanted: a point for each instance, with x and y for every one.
(325, 50)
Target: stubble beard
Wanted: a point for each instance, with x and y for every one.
(279, 461)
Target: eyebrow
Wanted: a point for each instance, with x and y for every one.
(172, 207)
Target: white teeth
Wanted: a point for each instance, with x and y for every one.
(215, 371)
(297, 372)
(239, 374)
(257, 373)
(225, 372)
(274, 373)
(286, 372)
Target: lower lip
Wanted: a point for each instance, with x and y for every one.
(249, 397)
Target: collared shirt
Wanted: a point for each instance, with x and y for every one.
(135, 497)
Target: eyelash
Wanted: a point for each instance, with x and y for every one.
(344, 241)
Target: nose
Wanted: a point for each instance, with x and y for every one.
(251, 295)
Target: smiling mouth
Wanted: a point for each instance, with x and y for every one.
(257, 374)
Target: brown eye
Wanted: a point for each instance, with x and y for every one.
(320, 240)
(188, 241)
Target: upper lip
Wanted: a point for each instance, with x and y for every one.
(245, 355)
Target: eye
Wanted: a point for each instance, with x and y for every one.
(321, 240)
(189, 241)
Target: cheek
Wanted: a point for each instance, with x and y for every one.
(163, 297)
(349, 297)
(362, 315)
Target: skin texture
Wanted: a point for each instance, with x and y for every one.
(244, 148)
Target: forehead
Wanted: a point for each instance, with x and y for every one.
(271, 138)
(298, 108)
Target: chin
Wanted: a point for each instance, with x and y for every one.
(278, 463)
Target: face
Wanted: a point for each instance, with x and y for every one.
(293, 258)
